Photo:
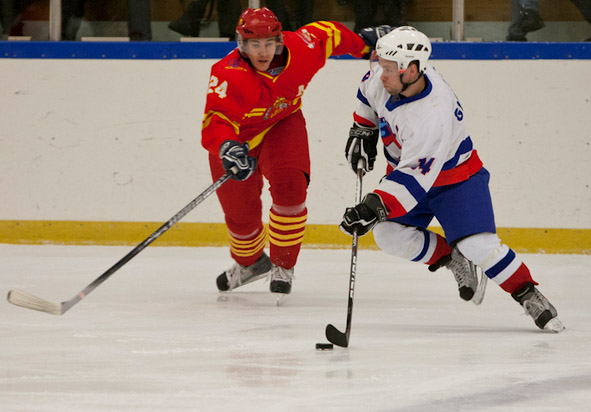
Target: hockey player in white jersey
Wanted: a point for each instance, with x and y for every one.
(433, 171)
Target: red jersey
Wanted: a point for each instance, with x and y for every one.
(243, 103)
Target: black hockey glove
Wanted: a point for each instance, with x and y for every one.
(234, 154)
(362, 144)
(370, 35)
(363, 217)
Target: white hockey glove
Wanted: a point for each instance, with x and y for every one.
(362, 144)
(363, 217)
(234, 154)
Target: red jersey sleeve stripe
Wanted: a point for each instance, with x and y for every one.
(395, 209)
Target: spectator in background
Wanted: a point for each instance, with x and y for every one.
(139, 24)
(304, 13)
(366, 11)
(584, 7)
(72, 14)
(10, 11)
(278, 7)
(525, 17)
(189, 24)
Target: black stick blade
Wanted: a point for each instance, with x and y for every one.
(335, 336)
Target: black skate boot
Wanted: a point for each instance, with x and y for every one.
(537, 306)
(239, 275)
(280, 279)
(469, 286)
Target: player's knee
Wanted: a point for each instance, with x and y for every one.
(482, 248)
(288, 187)
(394, 239)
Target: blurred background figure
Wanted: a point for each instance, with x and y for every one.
(10, 12)
(303, 13)
(366, 12)
(139, 24)
(189, 24)
(584, 7)
(228, 11)
(525, 17)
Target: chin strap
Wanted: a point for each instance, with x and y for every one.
(405, 85)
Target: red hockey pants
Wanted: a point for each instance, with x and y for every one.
(284, 160)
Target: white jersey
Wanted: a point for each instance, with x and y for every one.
(425, 141)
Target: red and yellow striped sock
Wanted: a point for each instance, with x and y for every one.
(246, 251)
(286, 234)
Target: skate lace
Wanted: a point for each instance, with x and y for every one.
(282, 274)
(460, 267)
(535, 305)
(235, 275)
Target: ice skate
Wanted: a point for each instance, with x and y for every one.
(239, 275)
(539, 308)
(281, 279)
(470, 286)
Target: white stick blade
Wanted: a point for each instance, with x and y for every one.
(30, 301)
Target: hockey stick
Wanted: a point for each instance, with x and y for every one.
(333, 334)
(30, 301)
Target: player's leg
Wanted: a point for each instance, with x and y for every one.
(242, 206)
(470, 225)
(407, 237)
(284, 160)
(410, 242)
(422, 245)
(504, 267)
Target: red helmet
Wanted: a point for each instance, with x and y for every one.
(258, 23)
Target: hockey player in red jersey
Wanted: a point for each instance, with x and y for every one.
(253, 122)
(433, 171)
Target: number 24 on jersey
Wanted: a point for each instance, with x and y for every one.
(221, 89)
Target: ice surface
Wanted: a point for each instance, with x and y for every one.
(157, 336)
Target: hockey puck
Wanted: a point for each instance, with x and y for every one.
(324, 346)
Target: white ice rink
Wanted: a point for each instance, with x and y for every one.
(157, 336)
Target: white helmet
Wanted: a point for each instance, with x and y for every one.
(404, 45)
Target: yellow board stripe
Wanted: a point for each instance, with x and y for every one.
(316, 236)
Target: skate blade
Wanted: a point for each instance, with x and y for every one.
(248, 298)
(554, 325)
(281, 298)
(479, 294)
